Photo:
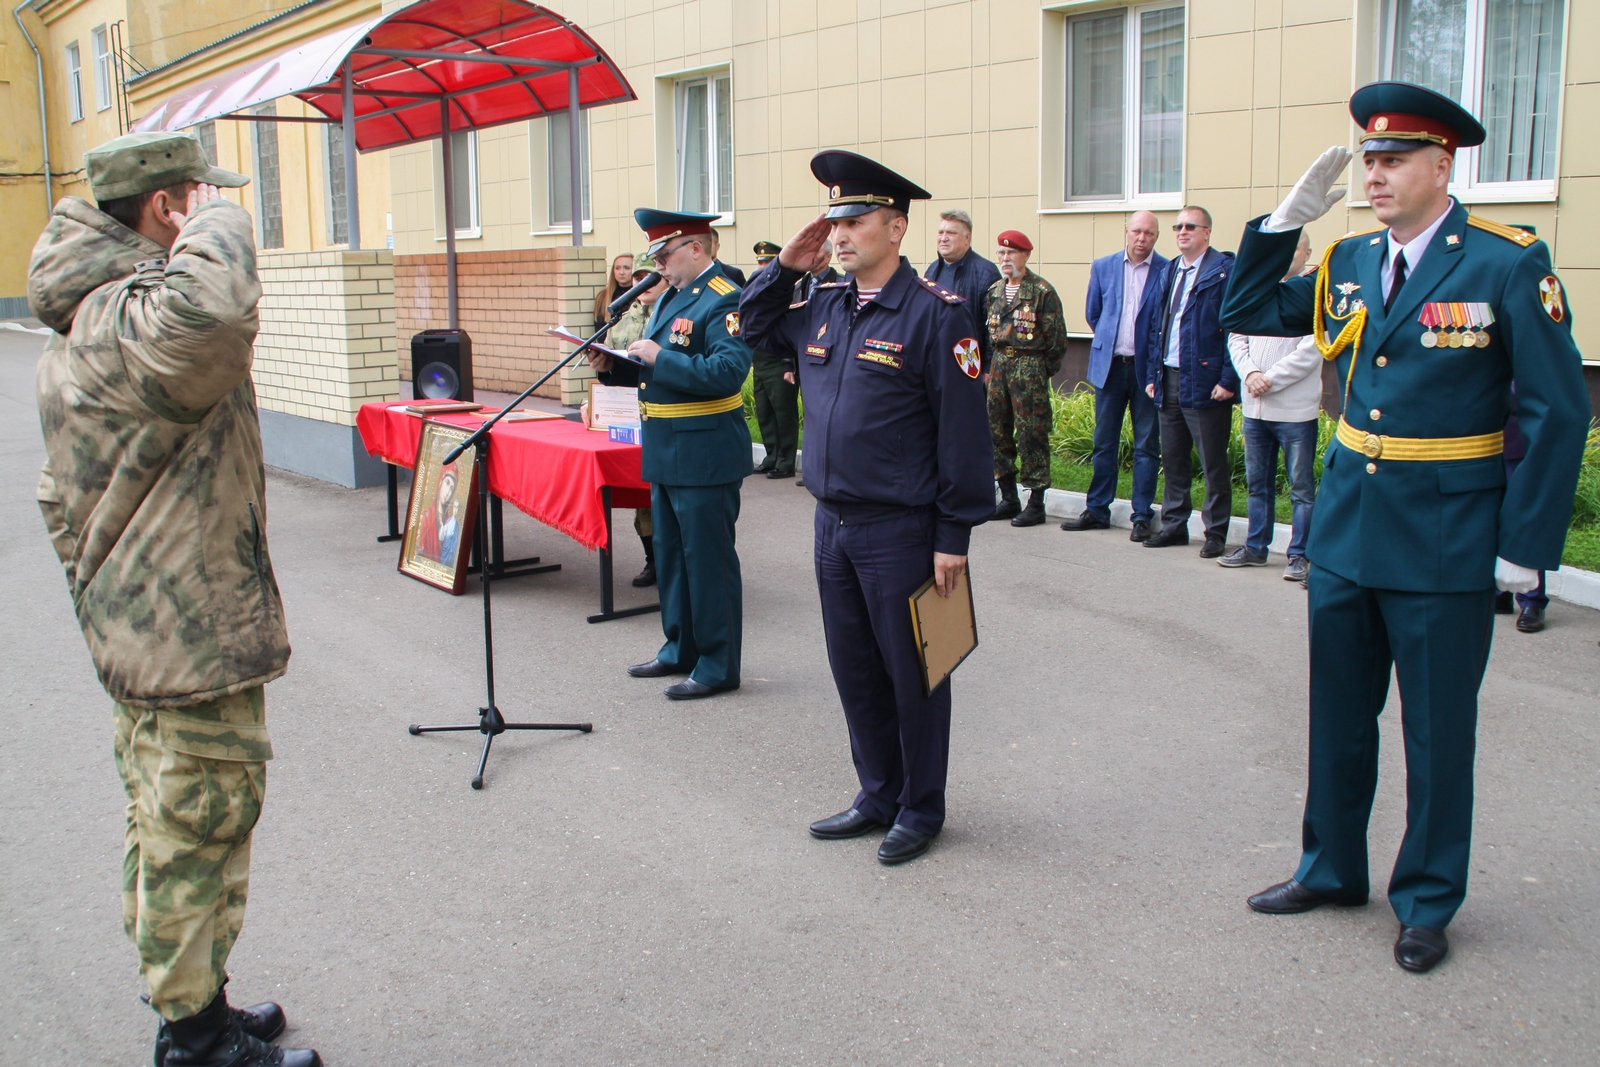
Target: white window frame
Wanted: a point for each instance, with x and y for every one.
(718, 182)
(1464, 183)
(100, 45)
(1129, 195)
(74, 83)
(475, 229)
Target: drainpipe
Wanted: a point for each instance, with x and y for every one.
(44, 120)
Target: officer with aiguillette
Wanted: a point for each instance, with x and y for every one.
(1429, 318)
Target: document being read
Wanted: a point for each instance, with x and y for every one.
(573, 339)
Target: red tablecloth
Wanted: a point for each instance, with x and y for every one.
(553, 469)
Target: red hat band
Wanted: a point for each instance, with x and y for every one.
(1395, 126)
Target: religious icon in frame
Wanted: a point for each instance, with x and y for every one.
(440, 514)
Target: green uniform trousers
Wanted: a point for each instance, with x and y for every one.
(777, 412)
(195, 778)
(1019, 418)
(697, 575)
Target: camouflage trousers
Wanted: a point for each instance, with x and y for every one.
(195, 778)
(1019, 408)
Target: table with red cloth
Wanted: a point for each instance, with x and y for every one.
(555, 470)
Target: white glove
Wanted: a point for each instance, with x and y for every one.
(1313, 194)
(1511, 578)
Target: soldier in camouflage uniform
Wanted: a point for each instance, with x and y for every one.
(154, 494)
(1028, 338)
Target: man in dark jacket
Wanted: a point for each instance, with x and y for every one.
(962, 271)
(1188, 374)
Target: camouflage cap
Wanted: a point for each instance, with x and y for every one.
(643, 264)
(144, 162)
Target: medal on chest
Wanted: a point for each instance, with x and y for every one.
(682, 331)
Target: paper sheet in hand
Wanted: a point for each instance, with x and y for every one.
(945, 628)
(574, 340)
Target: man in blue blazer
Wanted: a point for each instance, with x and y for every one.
(696, 452)
(1124, 300)
(1193, 383)
(1429, 318)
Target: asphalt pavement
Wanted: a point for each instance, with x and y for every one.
(1128, 764)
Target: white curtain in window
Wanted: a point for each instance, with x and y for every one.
(558, 131)
(1426, 44)
(1095, 94)
(1161, 101)
(1521, 85)
(724, 174)
(694, 156)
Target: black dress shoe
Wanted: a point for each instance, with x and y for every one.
(1088, 520)
(761, 470)
(1141, 531)
(689, 689)
(654, 669)
(1168, 537)
(1531, 621)
(849, 823)
(645, 577)
(1213, 548)
(1291, 898)
(902, 843)
(1420, 948)
(780, 474)
(1505, 603)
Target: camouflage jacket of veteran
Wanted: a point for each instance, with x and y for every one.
(1033, 324)
(153, 488)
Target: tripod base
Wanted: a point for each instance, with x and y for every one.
(491, 723)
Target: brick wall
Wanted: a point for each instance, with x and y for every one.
(505, 301)
(326, 344)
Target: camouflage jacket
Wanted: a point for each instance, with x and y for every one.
(153, 487)
(630, 327)
(1033, 324)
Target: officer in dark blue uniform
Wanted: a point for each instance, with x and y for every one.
(696, 452)
(898, 457)
(1429, 318)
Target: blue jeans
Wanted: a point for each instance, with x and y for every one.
(1123, 392)
(1262, 437)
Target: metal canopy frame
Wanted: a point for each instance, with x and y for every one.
(435, 68)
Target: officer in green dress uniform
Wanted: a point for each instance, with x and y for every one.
(1429, 318)
(691, 368)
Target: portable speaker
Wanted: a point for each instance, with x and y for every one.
(441, 365)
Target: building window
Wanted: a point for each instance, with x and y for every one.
(1124, 105)
(338, 205)
(206, 134)
(269, 197)
(101, 46)
(703, 124)
(558, 131)
(1499, 59)
(74, 83)
(464, 181)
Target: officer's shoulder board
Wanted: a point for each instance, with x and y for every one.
(1499, 229)
(721, 286)
(1360, 233)
(941, 292)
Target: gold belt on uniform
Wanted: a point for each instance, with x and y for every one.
(695, 407)
(1374, 445)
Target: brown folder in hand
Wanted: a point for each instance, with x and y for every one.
(945, 628)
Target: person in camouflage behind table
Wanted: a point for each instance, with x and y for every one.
(1028, 338)
(154, 494)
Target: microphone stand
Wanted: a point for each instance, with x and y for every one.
(490, 722)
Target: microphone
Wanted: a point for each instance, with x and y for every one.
(642, 286)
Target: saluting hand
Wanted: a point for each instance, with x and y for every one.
(804, 250)
(200, 194)
(1313, 194)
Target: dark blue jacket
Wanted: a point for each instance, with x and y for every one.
(974, 275)
(895, 410)
(1203, 361)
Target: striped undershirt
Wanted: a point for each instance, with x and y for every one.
(1011, 292)
(866, 296)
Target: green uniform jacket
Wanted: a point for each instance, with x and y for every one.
(1033, 324)
(701, 359)
(1432, 525)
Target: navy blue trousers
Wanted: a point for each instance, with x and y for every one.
(697, 575)
(899, 738)
(1438, 646)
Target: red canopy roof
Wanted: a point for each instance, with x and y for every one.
(496, 61)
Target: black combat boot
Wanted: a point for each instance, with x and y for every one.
(214, 1038)
(1009, 504)
(648, 575)
(264, 1021)
(1033, 514)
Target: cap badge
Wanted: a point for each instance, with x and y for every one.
(1381, 124)
(833, 193)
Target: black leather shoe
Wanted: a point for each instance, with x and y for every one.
(1213, 548)
(761, 470)
(1531, 621)
(902, 843)
(654, 669)
(214, 1037)
(645, 577)
(1291, 898)
(264, 1022)
(849, 823)
(1141, 531)
(689, 689)
(1420, 948)
(1088, 520)
(780, 474)
(1168, 537)
(1505, 604)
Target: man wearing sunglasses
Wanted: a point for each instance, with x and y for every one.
(1194, 385)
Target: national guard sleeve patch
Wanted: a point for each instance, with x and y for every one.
(731, 323)
(1551, 298)
(968, 357)
(722, 286)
